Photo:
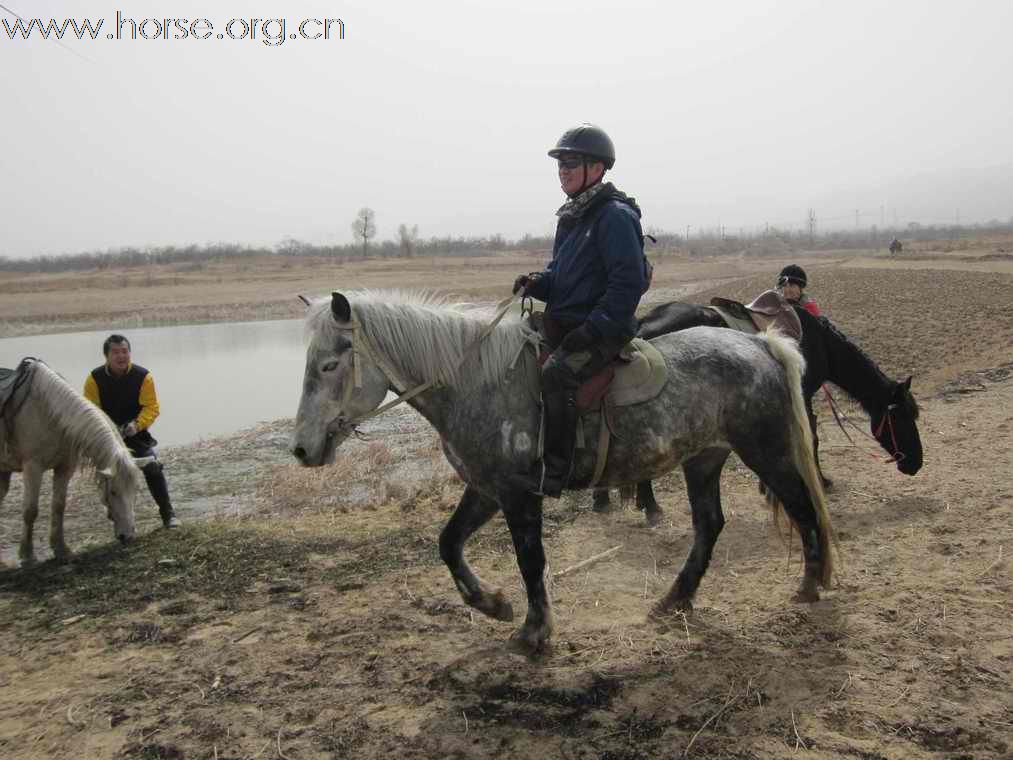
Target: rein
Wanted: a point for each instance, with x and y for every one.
(360, 345)
(887, 421)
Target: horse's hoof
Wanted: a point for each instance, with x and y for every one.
(63, 556)
(529, 642)
(664, 611)
(496, 606)
(504, 610)
(828, 484)
(653, 519)
(602, 507)
(806, 596)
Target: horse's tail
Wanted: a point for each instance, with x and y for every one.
(787, 354)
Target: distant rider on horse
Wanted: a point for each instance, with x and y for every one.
(591, 288)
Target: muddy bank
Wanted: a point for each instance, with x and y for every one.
(252, 473)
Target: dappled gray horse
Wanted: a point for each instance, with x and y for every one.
(47, 425)
(726, 392)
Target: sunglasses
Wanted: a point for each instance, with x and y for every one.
(570, 163)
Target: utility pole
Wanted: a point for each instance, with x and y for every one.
(812, 226)
(687, 234)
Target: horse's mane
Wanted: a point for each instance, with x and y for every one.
(859, 375)
(425, 335)
(84, 425)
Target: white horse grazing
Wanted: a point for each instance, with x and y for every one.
(47, 425)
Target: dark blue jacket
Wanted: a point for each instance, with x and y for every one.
(598, 271)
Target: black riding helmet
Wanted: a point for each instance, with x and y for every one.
(793, 273)
(588, 140)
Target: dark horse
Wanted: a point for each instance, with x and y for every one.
(829, 355)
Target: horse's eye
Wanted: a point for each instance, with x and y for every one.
(329, 367)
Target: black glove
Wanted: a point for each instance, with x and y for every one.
(579, 339)
(525, 281)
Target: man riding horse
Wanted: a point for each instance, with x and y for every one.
(591, 289)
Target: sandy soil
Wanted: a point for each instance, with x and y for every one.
(306, 620)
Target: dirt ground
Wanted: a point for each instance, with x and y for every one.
(311, 617)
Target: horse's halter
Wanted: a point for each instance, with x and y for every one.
(886, 421)
(360, 346)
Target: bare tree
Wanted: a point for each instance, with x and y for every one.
(408, 238)
(364, 227)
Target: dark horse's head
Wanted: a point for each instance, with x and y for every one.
(895, 427)
(892, 409)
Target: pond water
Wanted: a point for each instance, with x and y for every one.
(211, 380)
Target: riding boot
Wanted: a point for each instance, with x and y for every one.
(550, 476)
(159, 488)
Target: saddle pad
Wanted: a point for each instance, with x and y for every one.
(736, 323)
(641, 378)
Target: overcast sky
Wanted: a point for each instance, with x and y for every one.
(439, 114)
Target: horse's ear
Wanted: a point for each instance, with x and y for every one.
(340, 308)
(304, 299)
(907, 383)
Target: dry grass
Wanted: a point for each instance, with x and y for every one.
(365, 476)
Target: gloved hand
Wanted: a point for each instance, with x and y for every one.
(580, 339)
(525, 281)
(130, 429)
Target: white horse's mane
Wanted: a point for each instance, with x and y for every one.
(425, 335)
(84, 425)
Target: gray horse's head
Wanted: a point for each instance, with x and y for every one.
(341, 383)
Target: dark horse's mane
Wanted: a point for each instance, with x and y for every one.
(851, 368)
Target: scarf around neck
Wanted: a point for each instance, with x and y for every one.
(575, 208)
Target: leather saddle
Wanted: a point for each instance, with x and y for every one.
(769, 309)
(11, 380)
(637, 375)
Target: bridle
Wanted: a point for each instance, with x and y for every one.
(886, 422)
(361, 346)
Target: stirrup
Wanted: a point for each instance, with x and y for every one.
(535, 482)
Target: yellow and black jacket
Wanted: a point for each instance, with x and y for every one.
(128, 398)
